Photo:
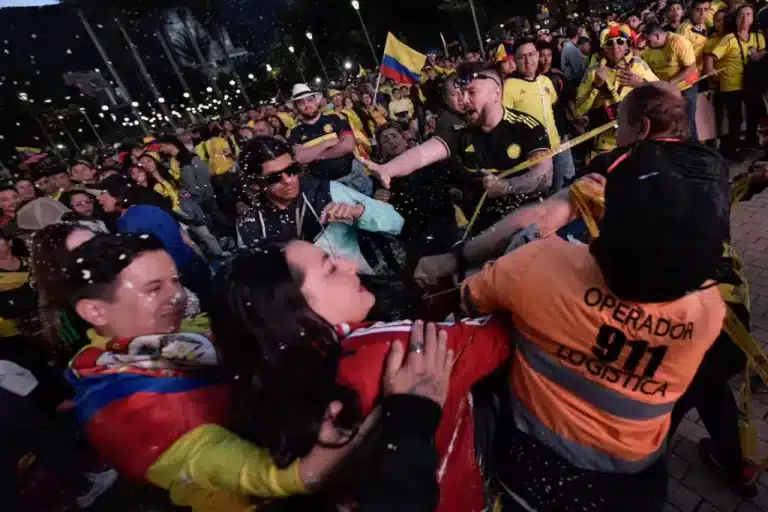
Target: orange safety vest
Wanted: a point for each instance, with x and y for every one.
(594, 377)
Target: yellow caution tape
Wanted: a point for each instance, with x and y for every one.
(543, 157)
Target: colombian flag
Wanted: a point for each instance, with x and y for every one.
(401, 63)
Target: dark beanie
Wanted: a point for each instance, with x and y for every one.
(667, 207)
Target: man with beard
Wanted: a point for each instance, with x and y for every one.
(495, 139)
(332, 139)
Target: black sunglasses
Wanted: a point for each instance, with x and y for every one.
(463, 81)
(276, 177)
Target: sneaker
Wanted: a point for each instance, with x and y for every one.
(745, 485)
(101, 483)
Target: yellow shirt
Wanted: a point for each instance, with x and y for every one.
(697, 38)
(732, 53)
(676, 54)
(535, 98)
(399, 106)
(165, 189)
(211, 469)
(713, 41)
(215, 152)
(287, 120)
(589, 97)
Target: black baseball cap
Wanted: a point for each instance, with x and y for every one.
(115, 185)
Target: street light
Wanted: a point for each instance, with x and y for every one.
(347, 65)
(104, 108)
(186, 95)
(318, 80)
(135, 104)
(161, 100)
(209, 89)
(231, 82)
(251, 77)
(269, 68)
(356, 7)
(291, 49)
(325, 72)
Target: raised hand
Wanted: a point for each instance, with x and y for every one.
(426, 369)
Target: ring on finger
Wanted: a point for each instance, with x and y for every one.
(417, 348)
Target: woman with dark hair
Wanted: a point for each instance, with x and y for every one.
(86, 210)
(280, 129)
(305, 370)
(197, 198)
(376, 114)
(151, 173)
(737, 52)
(26, 190)
(357, 107)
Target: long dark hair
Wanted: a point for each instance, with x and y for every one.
(161, 169)
(279, 355)
(732, 19)
(66, 200)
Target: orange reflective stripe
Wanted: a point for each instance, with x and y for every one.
(578, 431)
(590, 391)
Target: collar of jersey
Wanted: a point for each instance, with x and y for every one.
(519, 76)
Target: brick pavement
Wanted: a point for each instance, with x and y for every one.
(692, 486)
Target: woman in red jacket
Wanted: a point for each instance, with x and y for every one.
(306, 370)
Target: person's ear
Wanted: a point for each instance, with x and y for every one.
(645, 129)
(92, 311)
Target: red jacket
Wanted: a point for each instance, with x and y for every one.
(480, 345)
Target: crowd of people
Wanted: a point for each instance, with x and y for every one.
(242, 313)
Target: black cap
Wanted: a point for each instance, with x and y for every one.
(666, 220)
(115, 185)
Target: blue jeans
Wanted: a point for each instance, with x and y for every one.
(691, 96)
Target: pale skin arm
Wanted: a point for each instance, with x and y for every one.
(432, 151)
(539, 177)
(553, 213)
(550, 215)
